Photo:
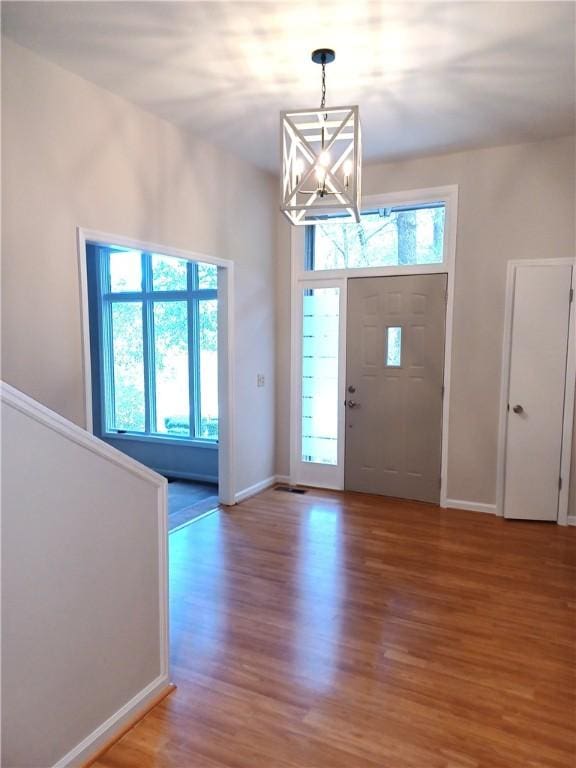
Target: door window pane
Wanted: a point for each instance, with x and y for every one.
(208, 328)
(168, 273)
(171, 367)
(394, 346)
(320, 331)
(385, 238)
(207, 275)
(125, 271)
(128, 367)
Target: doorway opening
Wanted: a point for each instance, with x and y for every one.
(157, 363)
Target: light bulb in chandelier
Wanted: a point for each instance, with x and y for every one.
(347, 170)
(298, 170)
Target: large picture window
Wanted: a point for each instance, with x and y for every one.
(386, 237)
(157, 344)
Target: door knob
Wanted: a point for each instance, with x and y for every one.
(351, 403)
(518, 409)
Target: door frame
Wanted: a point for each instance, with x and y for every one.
(567, 426)
(301, 278)
(226, 401)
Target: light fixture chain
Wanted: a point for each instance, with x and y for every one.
(323, 102)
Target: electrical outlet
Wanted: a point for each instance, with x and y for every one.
(260, 380)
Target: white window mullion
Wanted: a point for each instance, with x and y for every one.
(148, 344)
(107, 398)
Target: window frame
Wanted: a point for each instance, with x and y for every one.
(192, 295)
(310, 239)
(308, 472)
(448, 196)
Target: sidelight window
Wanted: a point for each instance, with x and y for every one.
(320, 335)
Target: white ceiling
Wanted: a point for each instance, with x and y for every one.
(428, 77)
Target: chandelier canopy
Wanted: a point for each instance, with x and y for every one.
(321, 158)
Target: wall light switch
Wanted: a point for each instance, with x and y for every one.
(260, 380)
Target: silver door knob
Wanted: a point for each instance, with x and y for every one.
(518, 409)
(351, 403)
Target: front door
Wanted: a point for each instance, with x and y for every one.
(394, 385)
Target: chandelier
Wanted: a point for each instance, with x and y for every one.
(321, 158)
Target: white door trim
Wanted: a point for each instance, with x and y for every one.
(226, 405)
(512, 266)
(447, 194)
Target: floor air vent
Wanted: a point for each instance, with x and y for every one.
(289, 489)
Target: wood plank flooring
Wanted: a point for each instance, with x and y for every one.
(348, 631)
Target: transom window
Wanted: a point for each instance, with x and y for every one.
(158, 327)
(386, 237)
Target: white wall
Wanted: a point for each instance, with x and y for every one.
(75, 155)
(514, 202)
(83, 581)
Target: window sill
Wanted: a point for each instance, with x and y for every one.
(179, 441)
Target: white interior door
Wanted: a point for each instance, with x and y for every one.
(538, 353)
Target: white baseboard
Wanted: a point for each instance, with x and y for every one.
(571, 520)
(467, 506)
(89, 746)
(254, 489)
(471, 506)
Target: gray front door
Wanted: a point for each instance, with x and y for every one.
(394, 379)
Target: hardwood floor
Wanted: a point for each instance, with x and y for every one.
(348, 631)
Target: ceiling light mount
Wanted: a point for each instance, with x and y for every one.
(323, 56)
(321, 158)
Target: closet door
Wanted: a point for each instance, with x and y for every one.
(537, 381)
